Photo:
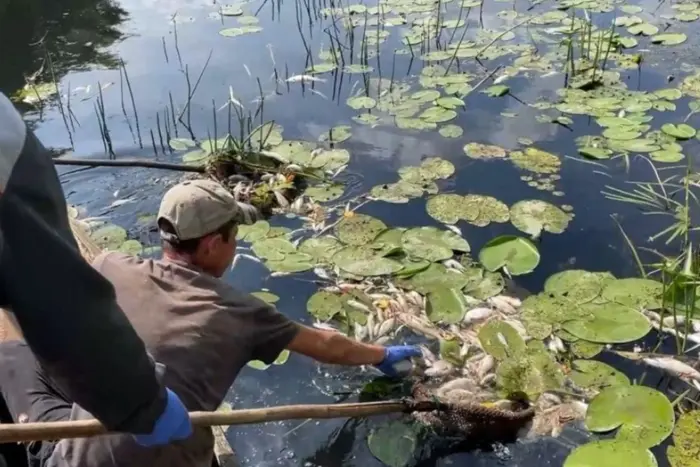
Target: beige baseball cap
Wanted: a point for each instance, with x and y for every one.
(198, 207)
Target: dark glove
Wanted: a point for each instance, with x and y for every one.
(395, 354)
(173, 424)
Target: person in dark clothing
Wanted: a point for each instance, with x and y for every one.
(65, 309)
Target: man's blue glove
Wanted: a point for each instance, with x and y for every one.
(395, 354)
(172, 425)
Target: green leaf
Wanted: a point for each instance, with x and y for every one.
(321, 67)
(497, 90)
(486, 286)
(275, 249)
(432, 244)
(363, 261)
(669, 38)
(680, 131)
(361, 102)
(131, 247)
(595, 153)
(484, 151)
(231, 10)
(258, 365)
(643, 415)
(577, 285)
(536, 160)
(451, 131)
(324, 305)
(253, 233)
(532, 373)
(685, 451)
(449, 102)
(481, 210)
(321, 249)
(181, 144)
(324, 192)
(610, 453)
(296, 262)
(450, 351)
(109, 237)
(534, 216)
(585, 349)
(596, 375)
(446, 305)
(643, 28)
(282, 358)
(515, 254)
(393, 444)
(446, 208)
(266, 297)
(609, 324)
(501, 340)
(234, 32)
(438, 115)
(634, 292)
(337, 134)
(400, 192)
(359, 229)
(436, 275)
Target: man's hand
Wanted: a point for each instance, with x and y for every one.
(396, 354)
(173, 424)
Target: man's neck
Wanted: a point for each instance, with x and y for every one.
(185, 260)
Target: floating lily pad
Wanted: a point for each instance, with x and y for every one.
(449, 102)
(635, 145)
(275, 249)
(501, 340)
(484, 151)
(358, 229)
(337, 134)
(321, 67)
(451, 131)
(610, 453)
(438, 115)
(358, 68)
(295, 262)
(436, 275)
(446, 208)
(669, 38)
(393, 444)
(634, 292)
(643, 415)
(254, 232)
(596, 375)
(680, 131)
(514, 254)
(432, 244)
(446, 305)
(585, 349)
(364, 261)
(362, 102)
(266, 297)
(486, 286)
(324, 305)
(534, 216)
(497, 90)
(248, 20)
(321, 248)
(414, 124)
(181, 144)
(400, 192)
(536, 160)
(643, 28)
(231, 10)
(450, 351)
(298, 152)
(685, 451)
(324, 192)
(267, 135)
(329, 159)
(595, 153)
(234, 32)
(532, 373)
(481, 210)
(432, 168)
(131, 247)
(577, 285)
(609, 324)
(109, 237)
(666, 156)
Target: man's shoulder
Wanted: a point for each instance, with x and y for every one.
(111, 257)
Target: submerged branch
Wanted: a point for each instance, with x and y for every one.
(128, 163)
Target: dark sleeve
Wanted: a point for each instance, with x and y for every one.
(66, 310)
(273, 332)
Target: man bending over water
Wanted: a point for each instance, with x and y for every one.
(201, 329)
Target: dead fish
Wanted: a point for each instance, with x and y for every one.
(401, 301)
(382, 340)
(385, 328)
(488, 380)
(547, 399)
(455, 229)
(556, 345)
(439, 368)
(415, 298)
(280, 274)
(477, 314)
(652, 315)
(395, 307)
(324, 326)
(485, 366)
(461, 384)
(428, 356)
(300, 78)
(360, 332)
(452, 264)
(518, 327)
(502, 304)
(380, 315)
(281, 200)
(370, 326)
(673, 366)
(322, 273)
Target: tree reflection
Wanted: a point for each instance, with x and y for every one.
(75, 33)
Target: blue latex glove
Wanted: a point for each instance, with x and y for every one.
(172, 425)
(395, 354)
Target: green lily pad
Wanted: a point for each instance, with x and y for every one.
(610, 453)
(436, 275)
(364, 261)
(324, 305)
(321, 67)
(532, 373)
(450, 351)
(635, 145)
(266, 136)
(680, 131)
(262, 366)
(667, 156)
(329, 159)
(181, 144)
(446, 305)
(366, 119)
(438, 115)
(643, 28)
(432, 244)
(595, 153)
(358, 229)
(358, 68)
(634, 292)
(234, 32)
(324, 192)
(596, 375)
(393, 444)
(196, 157)
(669, 38)
(295, 262)
(266, 297)
(445, 208)
(231, 10)
(514, 254)
(275, 249)
(536, 160)
(361, 102)
(609, 324)
(248, 20)
(109, 237)
(621, 133)
(426, 95)
(298, 152)
(501, 340)
(534, 216)
(488, 285)
(449, 102)
(497, 90)
(585, 349)
(337, 134)
(321, 249)
(131, 247)
(577, 285)
(254, 232)
(643, 415)
(414, 124)
(670, 94)
(432, 168)
(685, 451)
(481, 210)
(484, 151)
(451, 131)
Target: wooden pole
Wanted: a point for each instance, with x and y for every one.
(128, 163)
(24, 432)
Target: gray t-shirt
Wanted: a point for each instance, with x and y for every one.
(203, 330)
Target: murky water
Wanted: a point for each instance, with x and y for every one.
(88, 38)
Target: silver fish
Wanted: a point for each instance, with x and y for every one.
(673, 366)
(300, 78)
(385, 328)
(360, 332)
(502, 304)
(324, 326)
(477, 314)
(439, 368)
(358, 305)
(382, 340)
(322, 273)
(485, 366)
(428, 355)
(488, 380)
(370, 327)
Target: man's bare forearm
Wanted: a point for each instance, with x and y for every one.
(335, 348)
